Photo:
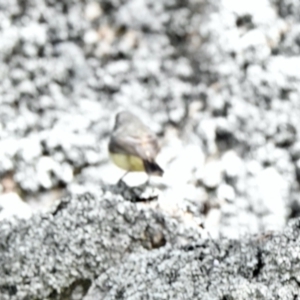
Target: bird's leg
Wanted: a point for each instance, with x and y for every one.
(121, 179)
(148, 180)
(146, 185)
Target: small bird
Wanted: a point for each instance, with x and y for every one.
(133, 146)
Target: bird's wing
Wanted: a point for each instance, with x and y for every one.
(145, 147)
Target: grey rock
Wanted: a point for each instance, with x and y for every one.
(295, 151)
(79, 239)
(136, 253)
(203, 271)
(285, 135)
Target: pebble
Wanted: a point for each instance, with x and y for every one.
(232, 164)
(93, 11)
(226, 192)
(212, 174)
(272, 188)
(12, 205)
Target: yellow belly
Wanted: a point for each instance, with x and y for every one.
(127, 162)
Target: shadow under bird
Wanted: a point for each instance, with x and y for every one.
(133, 146)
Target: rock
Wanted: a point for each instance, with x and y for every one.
(13, 206)
(217, 105)
(273, 192)
(187, 160)
(178, 265)
(34, 33)
(207, 129)
(297, 167)
(254, 167)
(91, 37)
(47, 168)
(87, 235)
(93, 11)
(226, 192)
(232, 164)
(212, 223)
(225, 137)
(285, 135)
(142, 247)
(212, 174)
(295, 151)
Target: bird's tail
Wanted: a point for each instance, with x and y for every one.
(152, 168)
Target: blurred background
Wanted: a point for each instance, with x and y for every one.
(218, 81)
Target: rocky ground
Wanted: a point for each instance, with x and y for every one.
(219, 83)
(102, 247)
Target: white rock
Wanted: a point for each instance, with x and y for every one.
(265, 14)
(177, 113)
(92, 157)
(288, 67)
(34, 33)
(171, 148)
(272, 188)
(27, 87)
(273, 222)
(135, 178)
(30, 148)
(232, 164)
(254, 167)
(12, 205)
(92, 11)
(183, 67)
(212, 222)
(190, 159)
(226, 192)
(9, 146)
(217, 104)
(8, 40)
(44, 201)
(118, 67)
(194, 108)
(212, 174)
(30, 50)
(44, 166)
(65, 173)
(129, 41)
(91, 37)
(208, 129)
(47, 165)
